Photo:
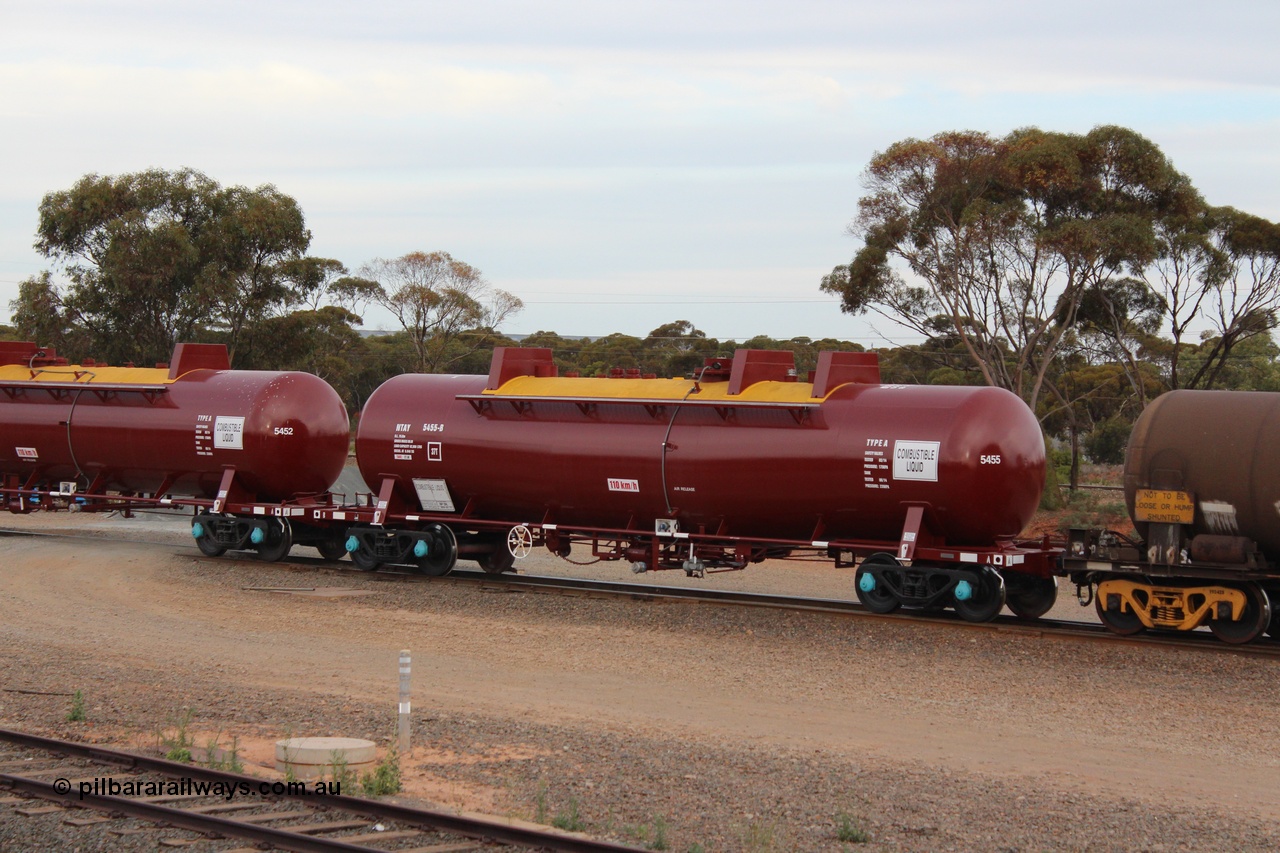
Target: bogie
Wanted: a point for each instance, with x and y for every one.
(883, 585)
(875, 585)
(430, 551)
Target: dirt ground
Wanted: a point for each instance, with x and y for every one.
(507, 685)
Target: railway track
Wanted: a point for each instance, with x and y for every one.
(1052, 628)
(1201, 640)
(87, 788)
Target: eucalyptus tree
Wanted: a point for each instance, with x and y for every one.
(1004, 238)
(599, 355)
(313, 280)
(444, 305)
(938, 206)
(322, 341)
(1242, 300)
(39, 315)
(565, 351)
(158, 257)
(258, 237)
(675, 349)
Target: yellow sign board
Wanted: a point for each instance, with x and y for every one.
(1165, 506)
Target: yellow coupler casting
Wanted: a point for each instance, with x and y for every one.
(1179, 608)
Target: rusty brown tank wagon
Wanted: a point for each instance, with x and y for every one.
(1202, 485)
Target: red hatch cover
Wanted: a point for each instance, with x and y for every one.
(510, 362)
(189, 357)
(839, 368)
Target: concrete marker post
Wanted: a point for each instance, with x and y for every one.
(404, 703)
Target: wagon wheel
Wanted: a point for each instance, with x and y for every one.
(442, 552)
(984, 600)
(363, 559)
(1252, 623)
(872, 592)
(205, 541)
(1124, 623)
(278, 540)
(331, 549)
(1031, 598)
(209, 548)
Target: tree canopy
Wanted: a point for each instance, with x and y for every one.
(437, 300)
(1041, 256)
(156, 257)
(1006, 238)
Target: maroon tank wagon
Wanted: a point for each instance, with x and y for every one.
(929, 486)
(98, 437)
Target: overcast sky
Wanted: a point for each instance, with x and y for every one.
(615, 165)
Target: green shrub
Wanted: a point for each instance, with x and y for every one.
(848, 830)
(569, 819)
(1054, 476)
(76, 714)
(385, 778)
(177, 746)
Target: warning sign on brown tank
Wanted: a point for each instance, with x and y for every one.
(1165, 506)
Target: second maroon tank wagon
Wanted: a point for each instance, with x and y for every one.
(739, 463)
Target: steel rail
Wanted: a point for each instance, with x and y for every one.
(1059, 629)
(470, 826)
(1054, 628)
(207, 824)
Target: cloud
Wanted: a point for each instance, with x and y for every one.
(588, 139)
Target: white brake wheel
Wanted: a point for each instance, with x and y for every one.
(520, 542)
